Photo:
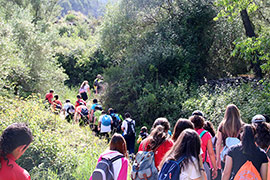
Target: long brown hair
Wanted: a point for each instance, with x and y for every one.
(180, 126)
(231, 124)
(156, 137)
(118, 143)
(188, 144)
(84, 83)
(163, 122)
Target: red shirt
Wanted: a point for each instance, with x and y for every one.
(58, 102)
(204, 140)
(49, 97)
(77, 103)
(12, 173)
(161, 150)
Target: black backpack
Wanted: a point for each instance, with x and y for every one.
(70, 108)
(104, 169)
(115, 121)
(131, 128)
(84, 111)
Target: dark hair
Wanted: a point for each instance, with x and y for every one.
(118, 143)
(144, 129)
(180, 126)
(103, 112)
(51, 90)
(56, 97)
(163, 122)
(210, 128)
(95, 101)
(262, 136)
(67, 101)
(198, 121)
(15, 135)
(127, 115)
(198, 113)
(98, 108)
(156, 137)
(266, 118)
(248, 139)
(79, 96)
(188, 144)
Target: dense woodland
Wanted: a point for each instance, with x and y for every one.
(156, 56)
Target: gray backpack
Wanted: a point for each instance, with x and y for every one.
(104, 169)
(144, 166)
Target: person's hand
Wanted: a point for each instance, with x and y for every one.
(214, 173)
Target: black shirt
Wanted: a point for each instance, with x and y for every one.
(257, 158)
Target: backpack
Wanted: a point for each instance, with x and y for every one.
(71, 109)
(106, 120)
(115, 120)
(230, 141)
(131, 128)
(104, 169)
(84, 111)
(144, 166)
(171, 169)
(247, 171)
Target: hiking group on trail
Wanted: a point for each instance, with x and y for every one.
(194, 151)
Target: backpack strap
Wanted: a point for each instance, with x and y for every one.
(116, 157)
(180, 159)
(267, 149)
(202, 133)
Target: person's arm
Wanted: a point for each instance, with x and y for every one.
(228, 168)
(204, 177)
(264, 171)
(91, 115)
(211, 153)
(218, 149)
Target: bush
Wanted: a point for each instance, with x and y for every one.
(60, 150)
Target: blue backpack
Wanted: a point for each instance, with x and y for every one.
(106, 120)
(171, 169)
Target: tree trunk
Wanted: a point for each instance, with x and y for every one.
(250, 33)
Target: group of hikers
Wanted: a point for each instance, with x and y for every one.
(194, 151)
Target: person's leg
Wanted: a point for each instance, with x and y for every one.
(128, 143)
(132, 144)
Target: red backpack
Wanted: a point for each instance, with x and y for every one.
(247, 171)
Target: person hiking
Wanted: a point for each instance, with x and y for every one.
(14, 141)
(128, 127)
(143, 134)
(79, 100)
(116, 120)
(97, 83)
(229, 128)
(243, 153)
(180, 126)
(97, 114)
(92, 110)
(69, 110)
(158, 140)
(187, 148)
(84, 89)
(104, 125)
(57, 104)
(81, 114)
(118, 152)
(262, 136)
(208, 155)
(49, 97)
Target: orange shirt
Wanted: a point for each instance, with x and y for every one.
(14, 172)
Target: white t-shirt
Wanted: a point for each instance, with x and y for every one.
(125, 124)
(66, 106)
(85, 88)
(191, 171)
(103, 128)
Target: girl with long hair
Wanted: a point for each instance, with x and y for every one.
(180, 126)
(158, 141)
(188, 145)
(117, 147)
(84, 89)
(229, 127)
(208, 156)
(245, 151)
